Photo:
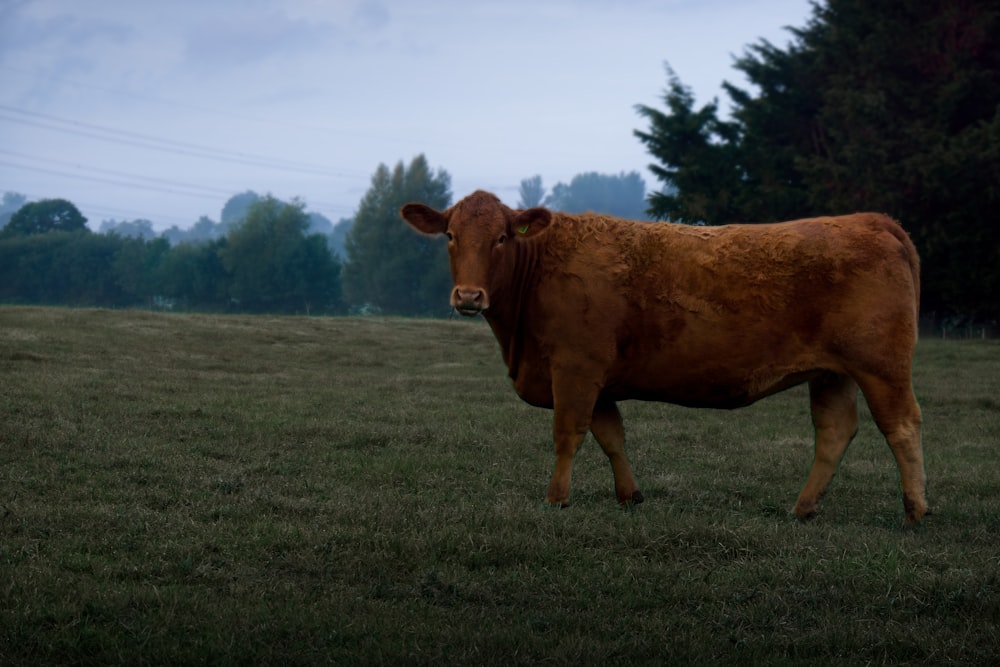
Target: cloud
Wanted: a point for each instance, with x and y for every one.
(371, 15)
(228, 41)
(63, 33)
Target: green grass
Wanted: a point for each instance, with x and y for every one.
(191, 489)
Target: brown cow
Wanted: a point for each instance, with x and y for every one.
(590, 310)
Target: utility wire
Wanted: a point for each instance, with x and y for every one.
(90, 130)
(109, 181)
(117, 174)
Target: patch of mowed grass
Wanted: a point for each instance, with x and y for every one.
(222, 490)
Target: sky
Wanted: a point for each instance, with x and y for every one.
(144, 109)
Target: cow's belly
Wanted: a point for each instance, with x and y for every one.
(717, 371)
(709, 390)
(724, 374)
(692, 385)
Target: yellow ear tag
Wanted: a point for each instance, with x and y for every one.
(522, 230)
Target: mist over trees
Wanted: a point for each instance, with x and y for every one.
(881, 106)
(531, 192)
(134, 229)
(9, 204)
(622, 195)
(338, 237)
(266, 262)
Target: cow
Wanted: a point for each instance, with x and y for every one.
(590, 310)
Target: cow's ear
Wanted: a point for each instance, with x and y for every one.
(531, 221)
(425, 219)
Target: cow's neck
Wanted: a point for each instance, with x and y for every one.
(506, 314)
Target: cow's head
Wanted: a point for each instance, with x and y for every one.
(482, 238)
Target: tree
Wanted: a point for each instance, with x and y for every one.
(275, 266)
(192, 274)
(622, 195)
(136, 267)
(47, 215)
(695, 151)
(876, 105)
(390, 267)
(532, 192)
(58, 267)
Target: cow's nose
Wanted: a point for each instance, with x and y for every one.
(469, 300)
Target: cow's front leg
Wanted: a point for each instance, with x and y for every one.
(567, 442)
(607, 428)
(574, 405)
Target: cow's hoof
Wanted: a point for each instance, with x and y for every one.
(915, 510)
(804, 517)
(630, 504)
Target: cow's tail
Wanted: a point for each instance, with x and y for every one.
(913, 258)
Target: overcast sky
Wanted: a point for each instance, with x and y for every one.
(163, 110)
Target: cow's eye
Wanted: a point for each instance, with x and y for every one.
(451, 237)
(502, 239)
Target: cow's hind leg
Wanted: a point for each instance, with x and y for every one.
(833, 401)
(895, 410)
(606, 425)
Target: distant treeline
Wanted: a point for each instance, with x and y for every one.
(264, 255)
(266, 263)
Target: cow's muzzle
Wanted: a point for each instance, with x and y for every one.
(469, 301)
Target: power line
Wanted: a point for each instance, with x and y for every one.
(117, 174)
(101, 133)
(108, 181)
(210, 193)
(155, 184)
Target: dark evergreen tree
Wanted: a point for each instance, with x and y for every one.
(697, 167)
(391, 268)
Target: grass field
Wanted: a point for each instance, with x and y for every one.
(192, 489)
